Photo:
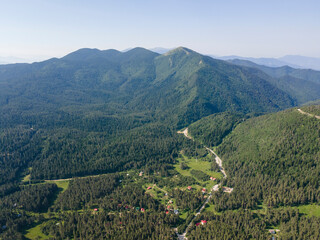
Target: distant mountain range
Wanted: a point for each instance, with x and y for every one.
(294, 61)
(8, 60)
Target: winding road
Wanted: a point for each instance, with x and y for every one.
(311, 115)
(214, 188)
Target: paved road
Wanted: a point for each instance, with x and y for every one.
(214, 188)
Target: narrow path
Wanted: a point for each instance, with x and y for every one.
(311, 115)
(214, 188)
(73, 178)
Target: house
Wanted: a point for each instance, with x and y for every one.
(189, 187)
(168, 207)
(140, 174)
(197, 224)
(96, 209)
(212, 178)
(203, 222)
(272, 231)
(204, 190)
(148, 188)
(142, 210)
(167, 212)
(176, 211)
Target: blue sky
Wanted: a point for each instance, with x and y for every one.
(254, 28)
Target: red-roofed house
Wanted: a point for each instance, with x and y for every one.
(203, 222)
(189, 187)
(142, 209)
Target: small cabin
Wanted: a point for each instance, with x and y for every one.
(142, 210)
(189, 187)
(96, 210)
(148, 188)
(203, 222)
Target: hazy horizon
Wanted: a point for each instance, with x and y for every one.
(38, 29)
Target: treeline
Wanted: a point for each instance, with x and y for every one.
(187, 200)
(72, 153)
(36, 198)
(200, 175)
(212, 129)
(18, 147)
(247, 225)
(82, 193)
(131, 225)
(12, 224)
(123, 211)
(242, 225)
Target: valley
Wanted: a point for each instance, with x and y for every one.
(138, 145)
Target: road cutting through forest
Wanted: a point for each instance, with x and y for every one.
(214, 188)
(311, 115)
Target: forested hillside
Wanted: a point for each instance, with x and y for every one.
(273, 159)
(301, 84)
(89, 146)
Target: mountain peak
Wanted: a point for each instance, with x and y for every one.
(184, 50)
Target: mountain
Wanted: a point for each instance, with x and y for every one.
(304, 62)
(293, 61)
(301, 84)
(160, 50)
(90, 141)
(273, 165)
(10, 60)
(270, 62)
(181, 84)
(271, 155)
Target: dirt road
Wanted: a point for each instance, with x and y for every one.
(311, 115)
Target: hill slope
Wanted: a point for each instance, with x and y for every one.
(301, 84)
(274, 159)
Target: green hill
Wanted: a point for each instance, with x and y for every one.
(115, 115)
(301, 84)
(273, 159)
